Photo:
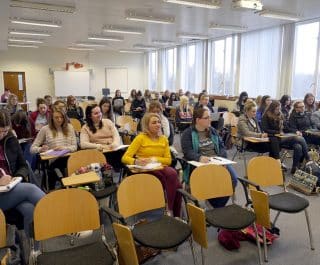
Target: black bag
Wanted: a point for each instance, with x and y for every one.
(227, 137)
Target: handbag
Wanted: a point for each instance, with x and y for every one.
(304, 182)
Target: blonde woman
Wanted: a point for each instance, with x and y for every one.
(151, 146)
(12, 104)
(183, 114)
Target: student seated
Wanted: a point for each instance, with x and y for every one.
(24, 196)
(101, 134)
(152, 146)
(73, 110)
(200, 142)
(272, 123)
(12, 104)
(138, 106)
(183, 114)
(40, 117)
(309, 103)
(106, 109)
(118, 103)
(300, 122)
(57, 135)
(248, 126)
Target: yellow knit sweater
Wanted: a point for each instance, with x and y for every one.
(145, 147)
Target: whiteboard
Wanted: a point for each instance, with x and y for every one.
(71, 83)
(117, 78)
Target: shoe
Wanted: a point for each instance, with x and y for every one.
(284, 167)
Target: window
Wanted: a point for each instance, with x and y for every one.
(168, 59)
(191, 62)
(152, 70)
(221, 66)
(260, 62)
(306, 61)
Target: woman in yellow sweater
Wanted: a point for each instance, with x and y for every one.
(152, 146)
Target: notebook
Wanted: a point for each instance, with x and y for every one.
(11, 185)
(52, 152)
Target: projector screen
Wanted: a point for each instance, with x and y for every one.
(71, 83)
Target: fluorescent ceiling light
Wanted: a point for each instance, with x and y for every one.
(247, 4)
(279, 15)
(163, 42)
(26, 40)
(192, 36)
(130, 51)
(22, 46)
(144, 47)
(132, 15)
(80, 49)
(90, 44)
(227, 27)
(212, 4)
(124, 30)
(39, 23)
(105, 38)
(42, 6)
(30, 33)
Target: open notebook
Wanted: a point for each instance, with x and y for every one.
(11, 185)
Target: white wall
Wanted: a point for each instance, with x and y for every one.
(37, 62)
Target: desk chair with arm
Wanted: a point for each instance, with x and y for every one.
(212, 181)
(63, 212)
(265, 172)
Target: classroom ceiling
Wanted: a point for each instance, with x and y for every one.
(91, 16)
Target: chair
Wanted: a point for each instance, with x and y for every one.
(76, 125)
(140, 193)
(265, 171)
(127, 108)
(127, 128)
(84, 158)
(62, 212)
(3, 240)
(212, 181)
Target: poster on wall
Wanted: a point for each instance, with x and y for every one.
(76, 83)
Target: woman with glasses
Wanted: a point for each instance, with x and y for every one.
(200, 142)
(273, 124)
(301, 124)
(24, 196)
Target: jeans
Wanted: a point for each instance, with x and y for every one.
(300, 149)
(222, 201)
(22, 197)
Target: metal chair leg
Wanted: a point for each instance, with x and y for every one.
(202, 256)
(265, 249)
(258, 243)
(275, 219)
(309, 229)
(192, 250)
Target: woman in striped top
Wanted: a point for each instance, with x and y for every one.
(57, 135)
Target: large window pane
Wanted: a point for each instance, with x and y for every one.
(221, 66)
(305, 60)
(152, 70)
(168, 68)
(260, 62)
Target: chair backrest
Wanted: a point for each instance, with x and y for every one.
(260, 203)
(265, 171)
(127, 107)
(65, 211)
(127, 249)
(84, 158)
(3, 230)
(210, 181)
(76, 125)
(139, 193)
(230, 119)
(127, 123)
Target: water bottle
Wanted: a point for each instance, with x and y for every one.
(100, 184)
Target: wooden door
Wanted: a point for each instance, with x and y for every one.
(16, 83)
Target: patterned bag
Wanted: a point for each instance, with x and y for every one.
(304, 182)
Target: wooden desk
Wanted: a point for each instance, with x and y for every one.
(76, 180)
(285, 135)
(313, 132)
(256, 140)
(139, 170)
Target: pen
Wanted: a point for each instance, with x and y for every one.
(217, 158)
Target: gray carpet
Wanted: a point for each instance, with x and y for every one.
(291, 248)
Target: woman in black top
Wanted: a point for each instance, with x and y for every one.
(118, 103)
(272, 123)
(241, 101)
(138, 106)
(73, 110)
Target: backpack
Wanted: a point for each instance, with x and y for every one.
(226, 137)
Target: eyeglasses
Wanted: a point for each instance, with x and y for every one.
(205, 118)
